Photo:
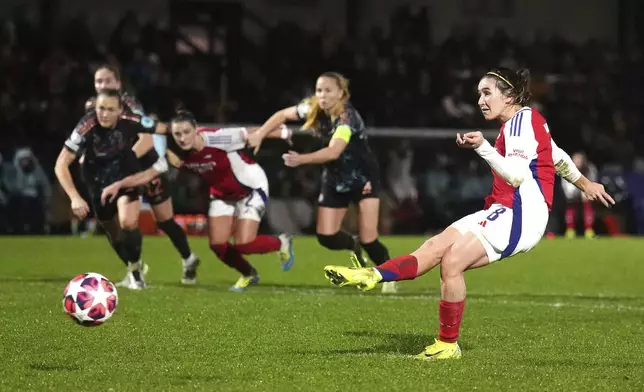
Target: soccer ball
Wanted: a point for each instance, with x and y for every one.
(90, 299)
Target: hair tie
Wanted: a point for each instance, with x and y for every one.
(501, 77)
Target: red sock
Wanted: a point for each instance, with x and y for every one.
(261, 244)
(612, 226)
(450, 315)
(399, 268)
(233, 258)
(571, 211)
(589, 215)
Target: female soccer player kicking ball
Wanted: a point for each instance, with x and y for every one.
(523, 161)
(238, 192)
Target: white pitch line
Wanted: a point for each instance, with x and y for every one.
(498, 301)
(378, 354)
(331, 291)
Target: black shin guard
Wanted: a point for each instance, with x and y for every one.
(115, 238)
(177, 236)
(119, 248)
(338, 241)
(377, 252)
(132, 242)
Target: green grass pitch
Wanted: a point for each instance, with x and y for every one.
(568, 316)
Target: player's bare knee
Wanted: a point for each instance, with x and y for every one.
(129, 223)
(368, 236)
(451, 265)
(429, 245)
(430, 251)
(162, 212)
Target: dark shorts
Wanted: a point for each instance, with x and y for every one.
(331, 198)
(109, 210)
(158, 190)
(97, 177)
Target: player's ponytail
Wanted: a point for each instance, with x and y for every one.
(514, 84)
(313, 114)
(523, 93)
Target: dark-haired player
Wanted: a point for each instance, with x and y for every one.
(107, 135)
(157, 191)
(524, 160)
(238, 192)
(351, 173)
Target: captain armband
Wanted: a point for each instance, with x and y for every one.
(342, 132)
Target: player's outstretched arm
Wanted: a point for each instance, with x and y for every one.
(594, 191)
(275, 121)
(281, 132)
(65, 158)
(564, 166)
(339, 141)
(141, 178)
(567, 170)
(286, 133)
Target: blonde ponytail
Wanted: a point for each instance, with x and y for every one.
(313, 114)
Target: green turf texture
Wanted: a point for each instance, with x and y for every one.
(568, 316)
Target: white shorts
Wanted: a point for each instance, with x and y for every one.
(505, 232)
(251, 207)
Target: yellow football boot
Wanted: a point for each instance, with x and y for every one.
(362, 278)
(440, 350)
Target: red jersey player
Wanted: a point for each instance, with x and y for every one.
(524, 161)
(238, 191)
(574, 198)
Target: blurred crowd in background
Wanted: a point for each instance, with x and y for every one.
(590, 93)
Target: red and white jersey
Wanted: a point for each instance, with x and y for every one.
(230, 173)
(526, 140)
